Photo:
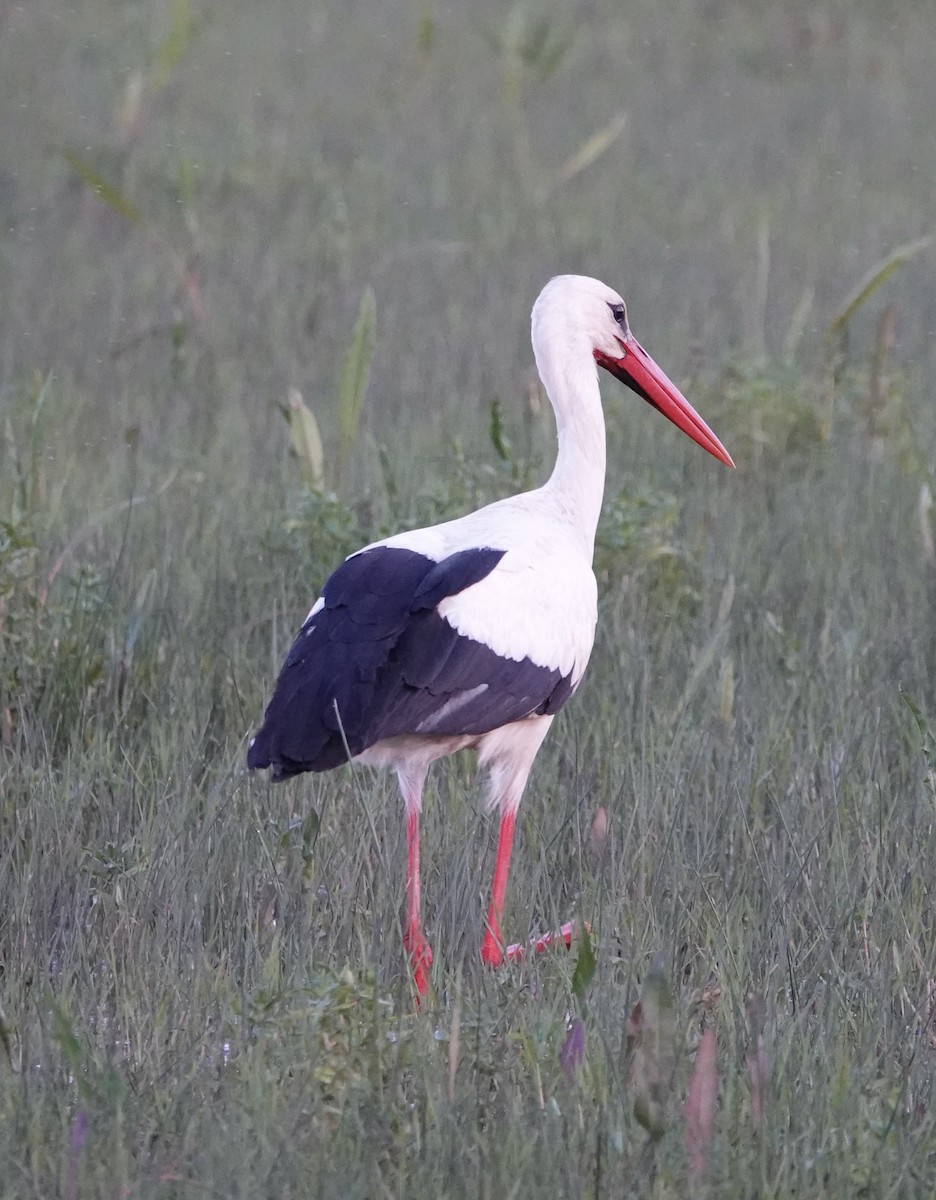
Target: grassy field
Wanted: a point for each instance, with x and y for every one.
(202, 983)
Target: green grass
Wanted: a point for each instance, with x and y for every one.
(202, 983)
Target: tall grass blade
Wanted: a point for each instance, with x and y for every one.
(885, 339)
(927, 737)
(355, 375)
(925, 511)
(878, 275)
(726, 691)
(32, 500)
(708, 655)
(798, 321)
(592, 149)
(111, 195)
(6, 1032)
(455, 1036)
(175, 45)
(496, 433)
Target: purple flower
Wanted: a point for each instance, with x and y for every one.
(573, 1049)
(77, 1136)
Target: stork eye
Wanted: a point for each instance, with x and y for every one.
(619, 312)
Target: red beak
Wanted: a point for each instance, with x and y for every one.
(637, 369)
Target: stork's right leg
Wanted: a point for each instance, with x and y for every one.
(493, 950)
(510, 751)
(492, 947)
(418, 949)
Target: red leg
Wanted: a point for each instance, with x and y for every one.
(419, 950)
(492, 947)
(493, 950)
(510, 756)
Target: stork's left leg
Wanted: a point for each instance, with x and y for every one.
(418, 949)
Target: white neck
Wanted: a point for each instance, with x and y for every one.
(570, 376)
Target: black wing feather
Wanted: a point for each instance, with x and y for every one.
(377, 661)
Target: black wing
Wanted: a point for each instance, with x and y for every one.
(377, 660)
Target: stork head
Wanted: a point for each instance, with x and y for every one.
(577, 318)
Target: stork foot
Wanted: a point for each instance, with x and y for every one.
(493, 953)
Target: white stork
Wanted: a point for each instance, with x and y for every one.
(473, 633)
